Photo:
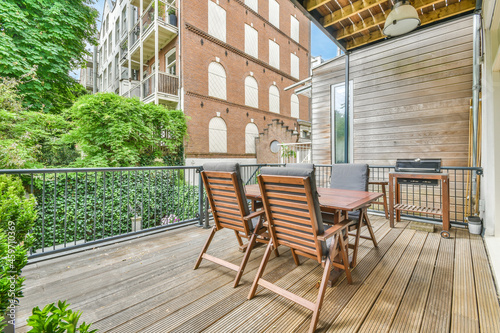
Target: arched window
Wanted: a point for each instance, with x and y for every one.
(251, 92)
(251, 132)
(294, 106)
(217, 135)
(216, 80)
(274, 99)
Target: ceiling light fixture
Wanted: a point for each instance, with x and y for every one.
(402, 19)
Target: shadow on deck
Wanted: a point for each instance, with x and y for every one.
(415, 281)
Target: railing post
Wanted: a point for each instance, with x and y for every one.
(201, 212)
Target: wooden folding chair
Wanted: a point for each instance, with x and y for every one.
(230, 210)
(294, 219)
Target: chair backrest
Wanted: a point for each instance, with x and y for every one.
(309, 166)
(350, 177)
(226, 195)
(292, 208)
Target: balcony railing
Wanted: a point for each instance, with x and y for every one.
(168, 84)
(78, 207)
(148, 16)
(295, 153)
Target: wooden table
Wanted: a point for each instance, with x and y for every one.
(331, 201)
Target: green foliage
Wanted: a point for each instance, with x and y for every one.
(57, 319)
(17, 216)
(17, 212)
(30, 139)
(114, 131)
(102, 205)
(287, 152)
(50, 36)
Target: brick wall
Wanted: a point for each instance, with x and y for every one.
(276, 130)
(197, 55)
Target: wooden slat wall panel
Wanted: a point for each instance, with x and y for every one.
(411, 97)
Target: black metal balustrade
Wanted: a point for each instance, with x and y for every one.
(80, 207)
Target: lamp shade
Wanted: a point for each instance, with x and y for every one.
(402, 19)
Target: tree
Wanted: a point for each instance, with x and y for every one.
(30, 139)
(50, 36)
(116, 131)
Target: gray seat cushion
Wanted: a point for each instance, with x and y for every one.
(302, 172)
(233, 167)
(350, 177)
(309, 166)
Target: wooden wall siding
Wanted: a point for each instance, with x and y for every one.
(411, 97)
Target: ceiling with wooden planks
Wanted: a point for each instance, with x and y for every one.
(354, 23)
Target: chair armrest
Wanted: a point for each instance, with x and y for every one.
(333, 230)
(253, 215)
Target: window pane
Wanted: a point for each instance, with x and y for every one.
(251, 92)
(274, 54)
(294, 29)
(340, 122)
(274, 99)
(294, 65)
(217, 136)
(253, 4)
(274, 13)
(251, 132)
(216, 21)
(251, 41)
(216, 80)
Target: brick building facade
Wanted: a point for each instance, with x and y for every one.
(218, 65)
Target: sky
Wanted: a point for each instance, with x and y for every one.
(320, 44)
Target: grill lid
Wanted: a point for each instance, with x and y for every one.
(429, 165)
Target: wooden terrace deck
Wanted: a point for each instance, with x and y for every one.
(415, 281)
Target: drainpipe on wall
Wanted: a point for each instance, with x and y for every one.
(94, 71)
(346, 108)
(476, 88)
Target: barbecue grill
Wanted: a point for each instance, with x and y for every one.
(418, 166)
(425, 172)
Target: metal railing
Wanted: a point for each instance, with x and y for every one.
(417, 195)
(295, 152)
(81, 207)
(78, 207)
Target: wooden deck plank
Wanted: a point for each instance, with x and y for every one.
(411, 309)
(352, 316)
(148, 284)
(437, 313)
(168, 314)
(281, 313)
(289, 317)
(487, 301)
(383, 311)
(342, 293)
(278, 267)
(464, 317)
(103, 283)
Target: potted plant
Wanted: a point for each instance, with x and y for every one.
(172, 18)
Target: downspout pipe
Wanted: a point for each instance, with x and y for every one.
(346, 108)
(94, 71)
(476, 88)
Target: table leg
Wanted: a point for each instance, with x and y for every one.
(391, 201)
(384, 198)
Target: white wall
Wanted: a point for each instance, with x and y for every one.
(490, 189)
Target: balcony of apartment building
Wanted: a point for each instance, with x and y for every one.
(158, 28)
(153, 30)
